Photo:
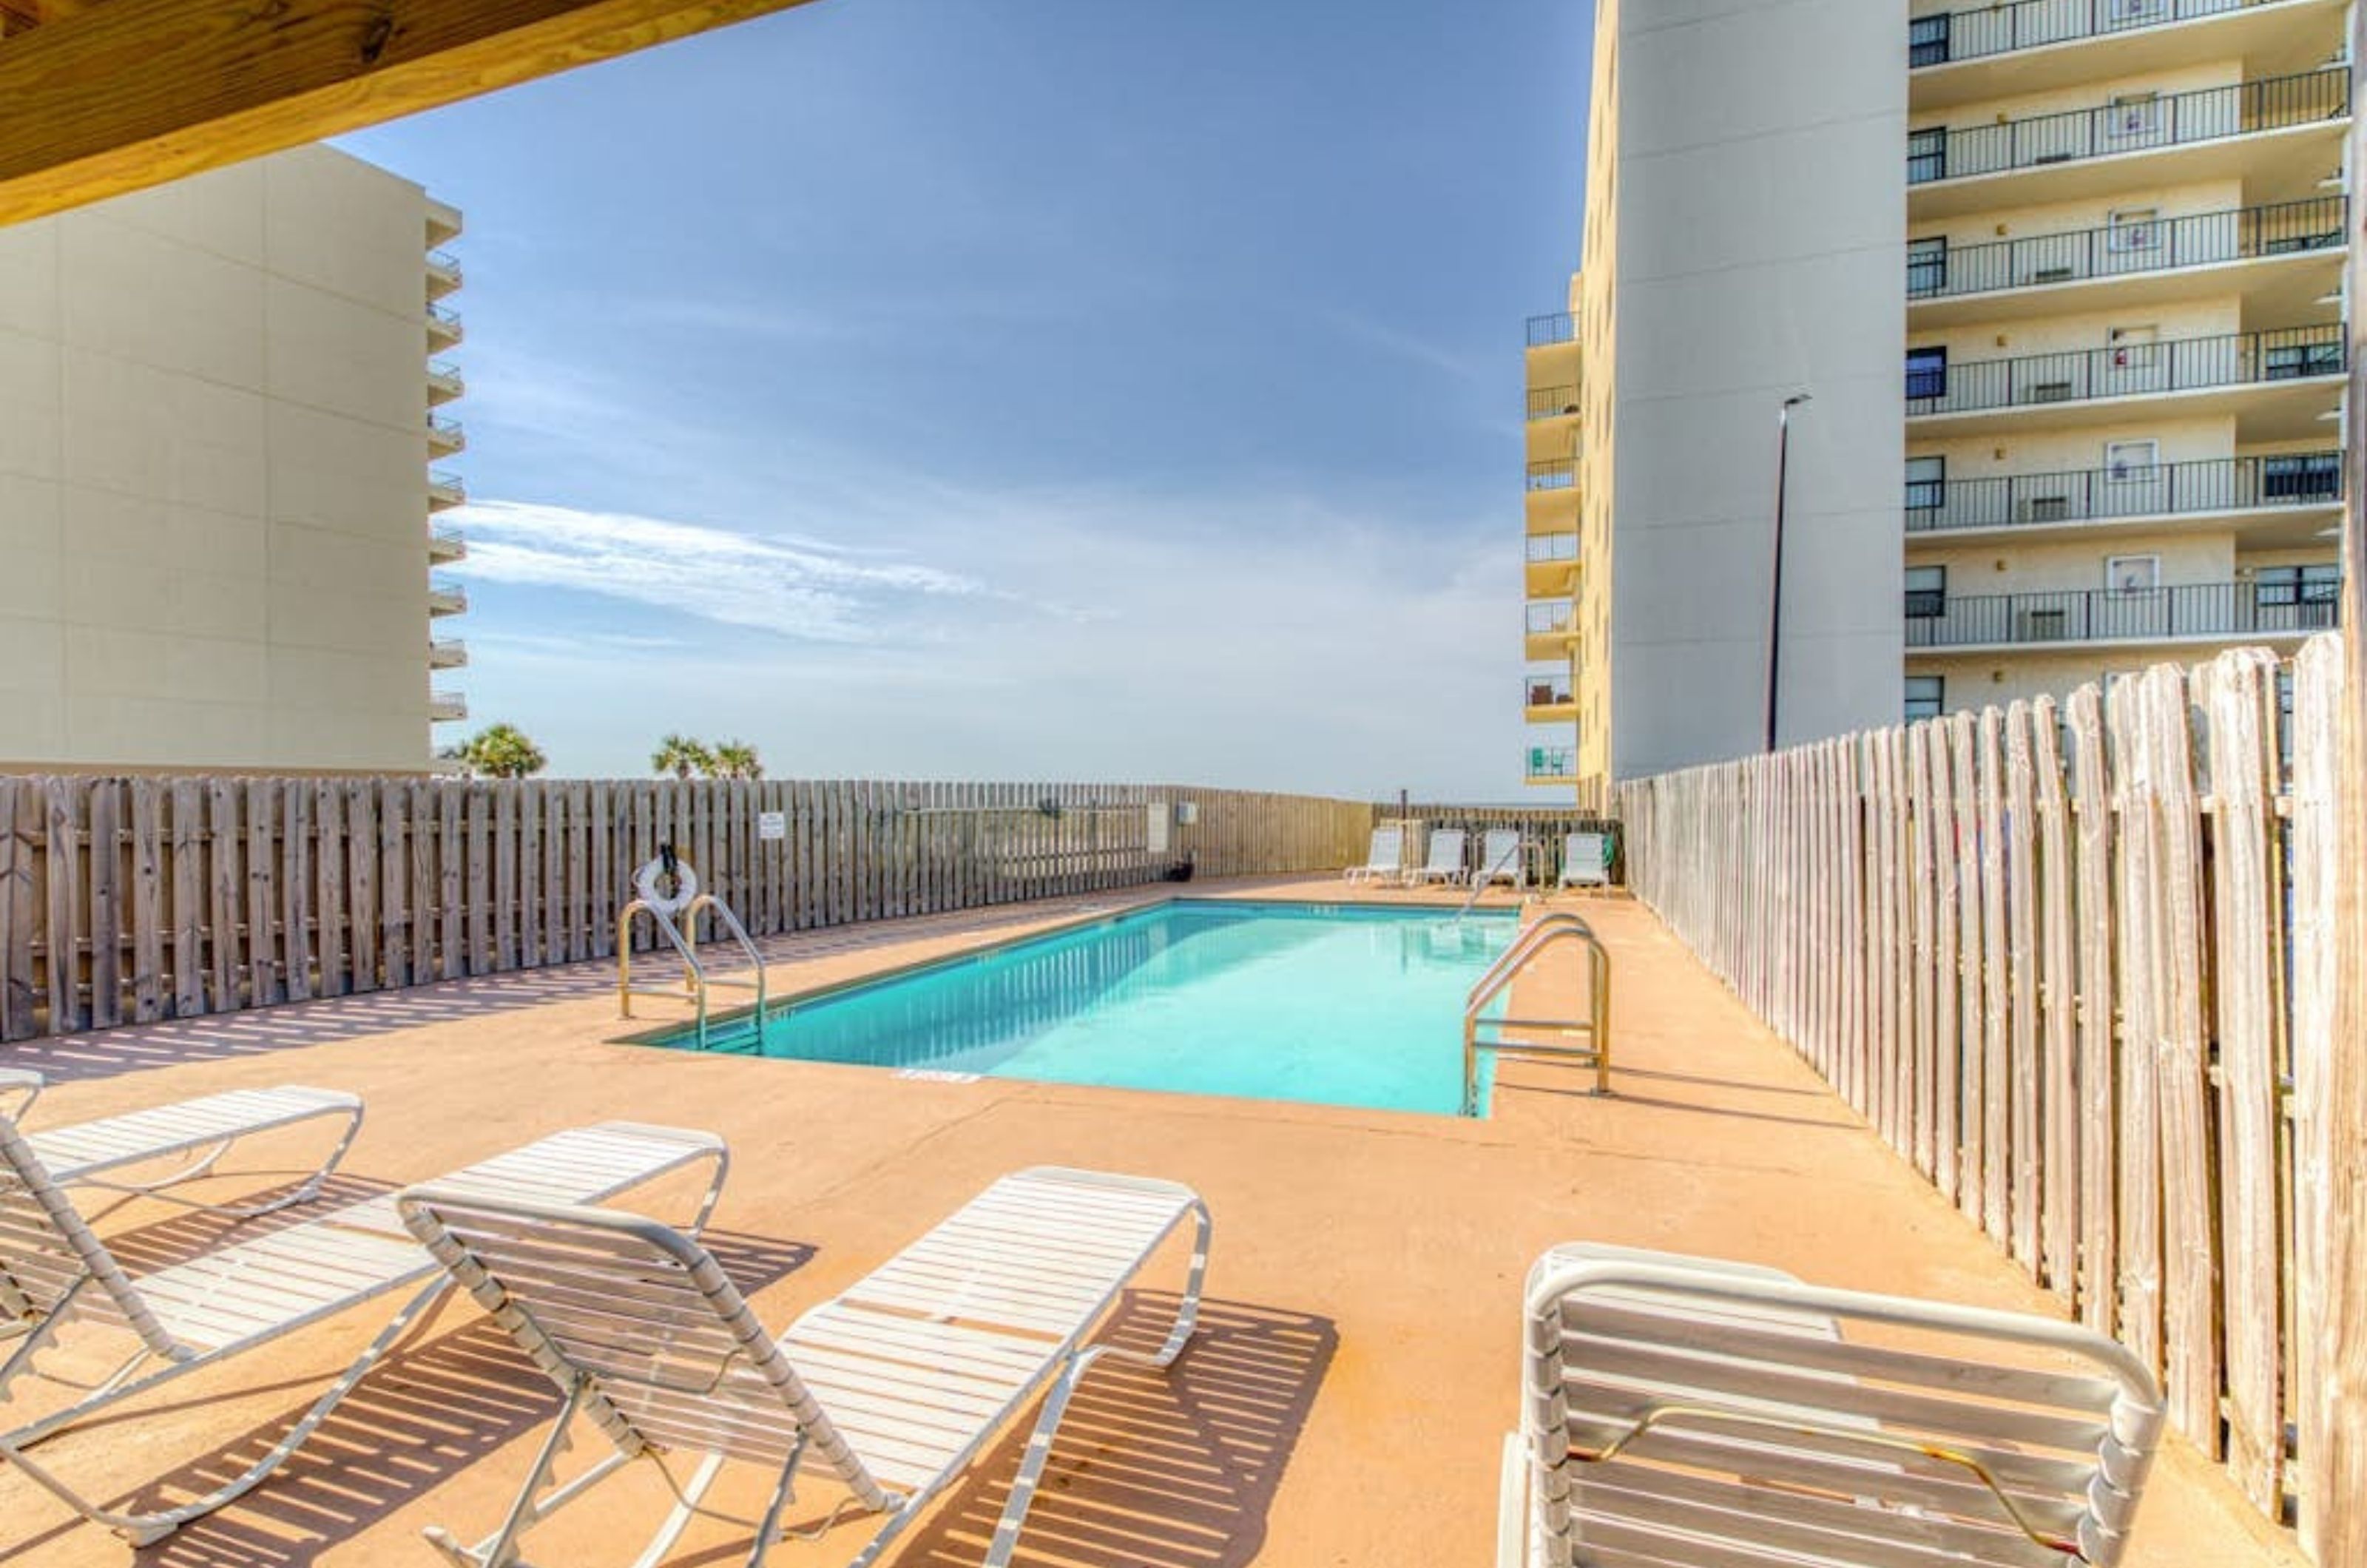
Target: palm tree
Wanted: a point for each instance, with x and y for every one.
(500, 751)
(682, 757)
(736, 760)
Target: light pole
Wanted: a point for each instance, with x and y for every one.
(1775, 592)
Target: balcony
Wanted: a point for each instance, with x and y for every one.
(445, 490)
(447, 653)
(1558, 473)
(447, 597)
(446, 545)
(2127, 262)
(444, 436)
(445, 382)
(2213, 375)
(444, 328)
(1545, 698)
(2193, 612)
(447, 708)
(1551, 764)
(1551, 567)
(443, 274)
(1546, 330)
(1551, 629)
(443, 222)
(2031, 46)
(2145, 495)
(1552, 402)
(2234, 131)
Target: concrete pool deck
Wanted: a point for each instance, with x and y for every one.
(1358, 1368)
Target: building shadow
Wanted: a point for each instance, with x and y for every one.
(435, 1407)
(1153, 1469)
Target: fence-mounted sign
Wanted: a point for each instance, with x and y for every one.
(771, 825)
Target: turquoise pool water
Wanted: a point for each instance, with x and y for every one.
(1338, 1005)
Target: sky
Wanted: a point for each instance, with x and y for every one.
(1015, 388)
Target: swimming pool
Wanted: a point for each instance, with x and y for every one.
(1333, 1004)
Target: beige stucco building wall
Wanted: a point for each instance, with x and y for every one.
(213, 483)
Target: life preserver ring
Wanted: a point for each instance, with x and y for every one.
(686, 886)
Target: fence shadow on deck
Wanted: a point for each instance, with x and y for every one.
(435, 1407)
(1155, 1469)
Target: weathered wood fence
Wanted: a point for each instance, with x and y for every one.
(2077, 962)
(131, 900)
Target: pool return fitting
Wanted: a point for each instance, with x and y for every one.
(666, 890)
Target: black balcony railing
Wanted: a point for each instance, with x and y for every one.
(1559, 474)
(1553, 329)
(2148, 614)
(2129, 368)
(1545, 402)
(2033, 24)
(2150, 489)
(2132, 124)
(2137, 246)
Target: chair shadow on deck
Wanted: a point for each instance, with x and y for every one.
(255, 1032)
(1174, 1468)
(435, 1407)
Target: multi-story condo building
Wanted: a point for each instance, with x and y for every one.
(220, 403)
(2096, 250)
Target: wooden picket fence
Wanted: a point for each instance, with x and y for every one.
(132, 899)
(2076, 962)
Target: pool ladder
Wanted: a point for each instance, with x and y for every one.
(1581, 1042)
(684, 939)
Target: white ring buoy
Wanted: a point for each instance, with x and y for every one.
(686, 887)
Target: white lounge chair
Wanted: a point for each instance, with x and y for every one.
(1500, 858)
(889, 1391)
(1585, 860)
(197, 1131)
(1683, 1410)
(56, 1274)
(1445, 863)
(1383, 860)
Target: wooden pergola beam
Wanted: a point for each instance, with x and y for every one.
(103, 98)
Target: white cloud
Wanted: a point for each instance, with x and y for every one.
(797, 588)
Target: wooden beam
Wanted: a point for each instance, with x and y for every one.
(113, 97)
(2341, 1478)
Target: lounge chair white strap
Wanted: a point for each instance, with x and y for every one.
(1499, 858)
(198, 1131)
(1445, 862)
(55, 1272)
(890, 1390)
(19, 1087)
(1383, 859)
(1685, 1411)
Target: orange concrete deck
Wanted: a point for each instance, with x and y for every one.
(1344, 1405)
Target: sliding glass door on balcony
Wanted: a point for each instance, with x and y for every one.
(1976, 32)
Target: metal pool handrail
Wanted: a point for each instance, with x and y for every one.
(1560, 925)
(685, 941)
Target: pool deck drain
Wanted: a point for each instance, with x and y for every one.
(1359, 1360)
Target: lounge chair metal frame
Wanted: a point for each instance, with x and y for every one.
(1502, 864)
(199, 1313)
(1772, 1439)
(1438, 867)
(203, 1130)
(917, 1367)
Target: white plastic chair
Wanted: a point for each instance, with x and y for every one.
(197, 1131)
(1585, 860)
(889, 1391)
(56, 1275)
(1383, 859)
(1500, 858)
(1683, 1410)
(1445, 863)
